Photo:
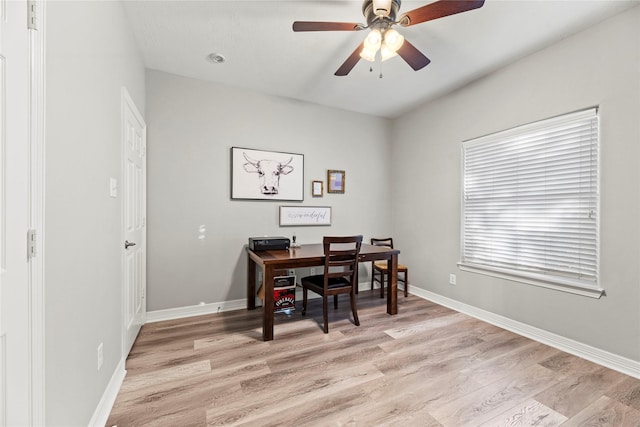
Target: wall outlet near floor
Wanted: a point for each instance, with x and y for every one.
(312, 271)
(100, 356)
(292, 272)
(452, 279)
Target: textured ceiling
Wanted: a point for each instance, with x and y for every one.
(263, 53)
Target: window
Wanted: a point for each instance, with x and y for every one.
(531, 206)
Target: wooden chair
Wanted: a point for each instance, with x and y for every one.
(340, 275)
(379, 269)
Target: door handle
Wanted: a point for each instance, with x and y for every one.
(127, 244)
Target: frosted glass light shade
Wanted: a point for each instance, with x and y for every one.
(386, 53)
(371, 45)
(373, 40)
(393, 39)
(368, 54)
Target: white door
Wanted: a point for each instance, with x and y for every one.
(15, 332)
(134, 185)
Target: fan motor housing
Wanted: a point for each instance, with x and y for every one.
(369, 13)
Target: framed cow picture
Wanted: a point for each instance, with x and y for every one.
(266, 175)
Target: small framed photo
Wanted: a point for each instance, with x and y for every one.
(335, 181)
(317, 188)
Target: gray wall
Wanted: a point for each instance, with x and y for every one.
(91, 53)
(191, 127)
(598, 67)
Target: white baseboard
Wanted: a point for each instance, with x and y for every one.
(195, 310)
(101, 414)
(593, 354)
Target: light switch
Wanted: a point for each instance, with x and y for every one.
(113, 187)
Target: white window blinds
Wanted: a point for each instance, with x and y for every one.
(530, 201)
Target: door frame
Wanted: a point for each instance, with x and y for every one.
(37, 208)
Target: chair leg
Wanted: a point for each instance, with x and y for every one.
(335, 302)
(382, 284)
(353, 309)
(406, 283)
(325, 314)
(304, 300)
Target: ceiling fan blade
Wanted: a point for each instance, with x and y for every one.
(326, 26)
(351, 62)
(438, 9)
(413, 56)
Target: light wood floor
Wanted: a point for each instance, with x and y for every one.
(427, 366)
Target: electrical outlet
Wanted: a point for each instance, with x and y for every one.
(452, 279)
(292, 272)
(100, 356)
(312, 271)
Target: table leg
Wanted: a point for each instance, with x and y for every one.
(392, 280)
(251, 284)
(267, 304)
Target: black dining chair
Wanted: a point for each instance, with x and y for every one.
(339, 277)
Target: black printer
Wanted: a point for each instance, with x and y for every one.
(269, 243)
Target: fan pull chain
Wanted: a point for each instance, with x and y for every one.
(371, 70)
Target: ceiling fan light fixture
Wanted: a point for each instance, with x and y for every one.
(393, 39)
(371, 45)
(386, 53)
(368, 54)
(373, 40)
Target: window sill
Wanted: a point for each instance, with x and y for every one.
(535, 281)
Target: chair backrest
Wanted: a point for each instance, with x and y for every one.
(383, 242)
(341, 258)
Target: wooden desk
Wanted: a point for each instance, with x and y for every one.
(308, 256)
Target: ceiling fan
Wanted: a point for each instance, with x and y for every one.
(382, 37)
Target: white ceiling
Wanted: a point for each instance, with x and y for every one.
(263, 53)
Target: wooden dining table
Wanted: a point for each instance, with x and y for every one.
(309, 255)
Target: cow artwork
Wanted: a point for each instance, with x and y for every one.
(269, 173)
(266, 175)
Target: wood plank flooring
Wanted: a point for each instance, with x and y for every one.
(427, 366)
